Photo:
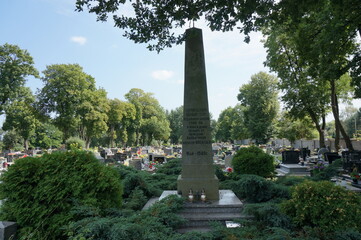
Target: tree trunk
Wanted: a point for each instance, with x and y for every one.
(335, 111)
(337, 137)
(319, 128)
(137, 137)
(26, 144)
(111, 136)
(87, 142)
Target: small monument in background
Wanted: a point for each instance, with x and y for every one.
(197, 158)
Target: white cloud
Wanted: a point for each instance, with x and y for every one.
(162, 74)
(78, 39)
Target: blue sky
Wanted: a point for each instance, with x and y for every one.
(54, 33)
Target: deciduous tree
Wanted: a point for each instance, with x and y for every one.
(150, 119)
(261, 102)
(64, 91)
(230, 124)
(21, 115)
(175, 118)
(120, 116)
(15, 66)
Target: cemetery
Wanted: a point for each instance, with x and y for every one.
(76, 164)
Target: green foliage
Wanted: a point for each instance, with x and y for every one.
(21, 115)
(46, 136)
(328, 172)
(66, 92)
(150, 184)
(295, 129)
(347, 235)
(157, 222)
(15, 66)
(93, 116)
(120, 116)
(231, 125)
(150, 121)
(193, 236)
(219, 173)
(175, 118)
(172, 167)
(259, 97)
(12, 140)
(289, 180)
(74, 143)
(136, 199)
(40, 192)
(156, 23)
(268, 214)
(322, 204)
(253, 160)
(256, 189)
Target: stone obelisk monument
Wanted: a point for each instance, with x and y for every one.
(197, 158)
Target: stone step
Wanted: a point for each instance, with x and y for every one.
(212, 210)
(211, 216)
(194, 229)
(210, 205)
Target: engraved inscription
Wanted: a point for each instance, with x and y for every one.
(195, 120)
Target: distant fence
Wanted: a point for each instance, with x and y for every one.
(310, 144)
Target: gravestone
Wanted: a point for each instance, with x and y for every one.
(8, 230)
(290, 157)
(136, 163)
(197, 157)
(331, 156)
(228, 161)
(168, 151)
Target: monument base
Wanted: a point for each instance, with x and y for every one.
(200, 216)
(292, 169)
(209, 185)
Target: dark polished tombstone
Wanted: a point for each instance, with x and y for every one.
(331, 156)
(290, 157)
(159, 159)
(305, 152)
(350, 160)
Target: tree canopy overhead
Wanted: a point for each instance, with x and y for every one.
(155, 21)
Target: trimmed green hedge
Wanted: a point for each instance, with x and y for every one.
(253, 160)
(322, 204)
(40, 192)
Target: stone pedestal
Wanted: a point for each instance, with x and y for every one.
(197, 157)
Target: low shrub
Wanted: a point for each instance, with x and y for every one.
(136, 200)
(219, 173)
(40, 192)
(256, 189)
(328, 172)
(322, 204)
(268, 214)
(253, 160)
(157, 222)
(289, 180)
(172, 167)
(74, 143)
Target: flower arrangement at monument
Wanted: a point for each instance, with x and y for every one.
(319, 167)
(355, 176)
